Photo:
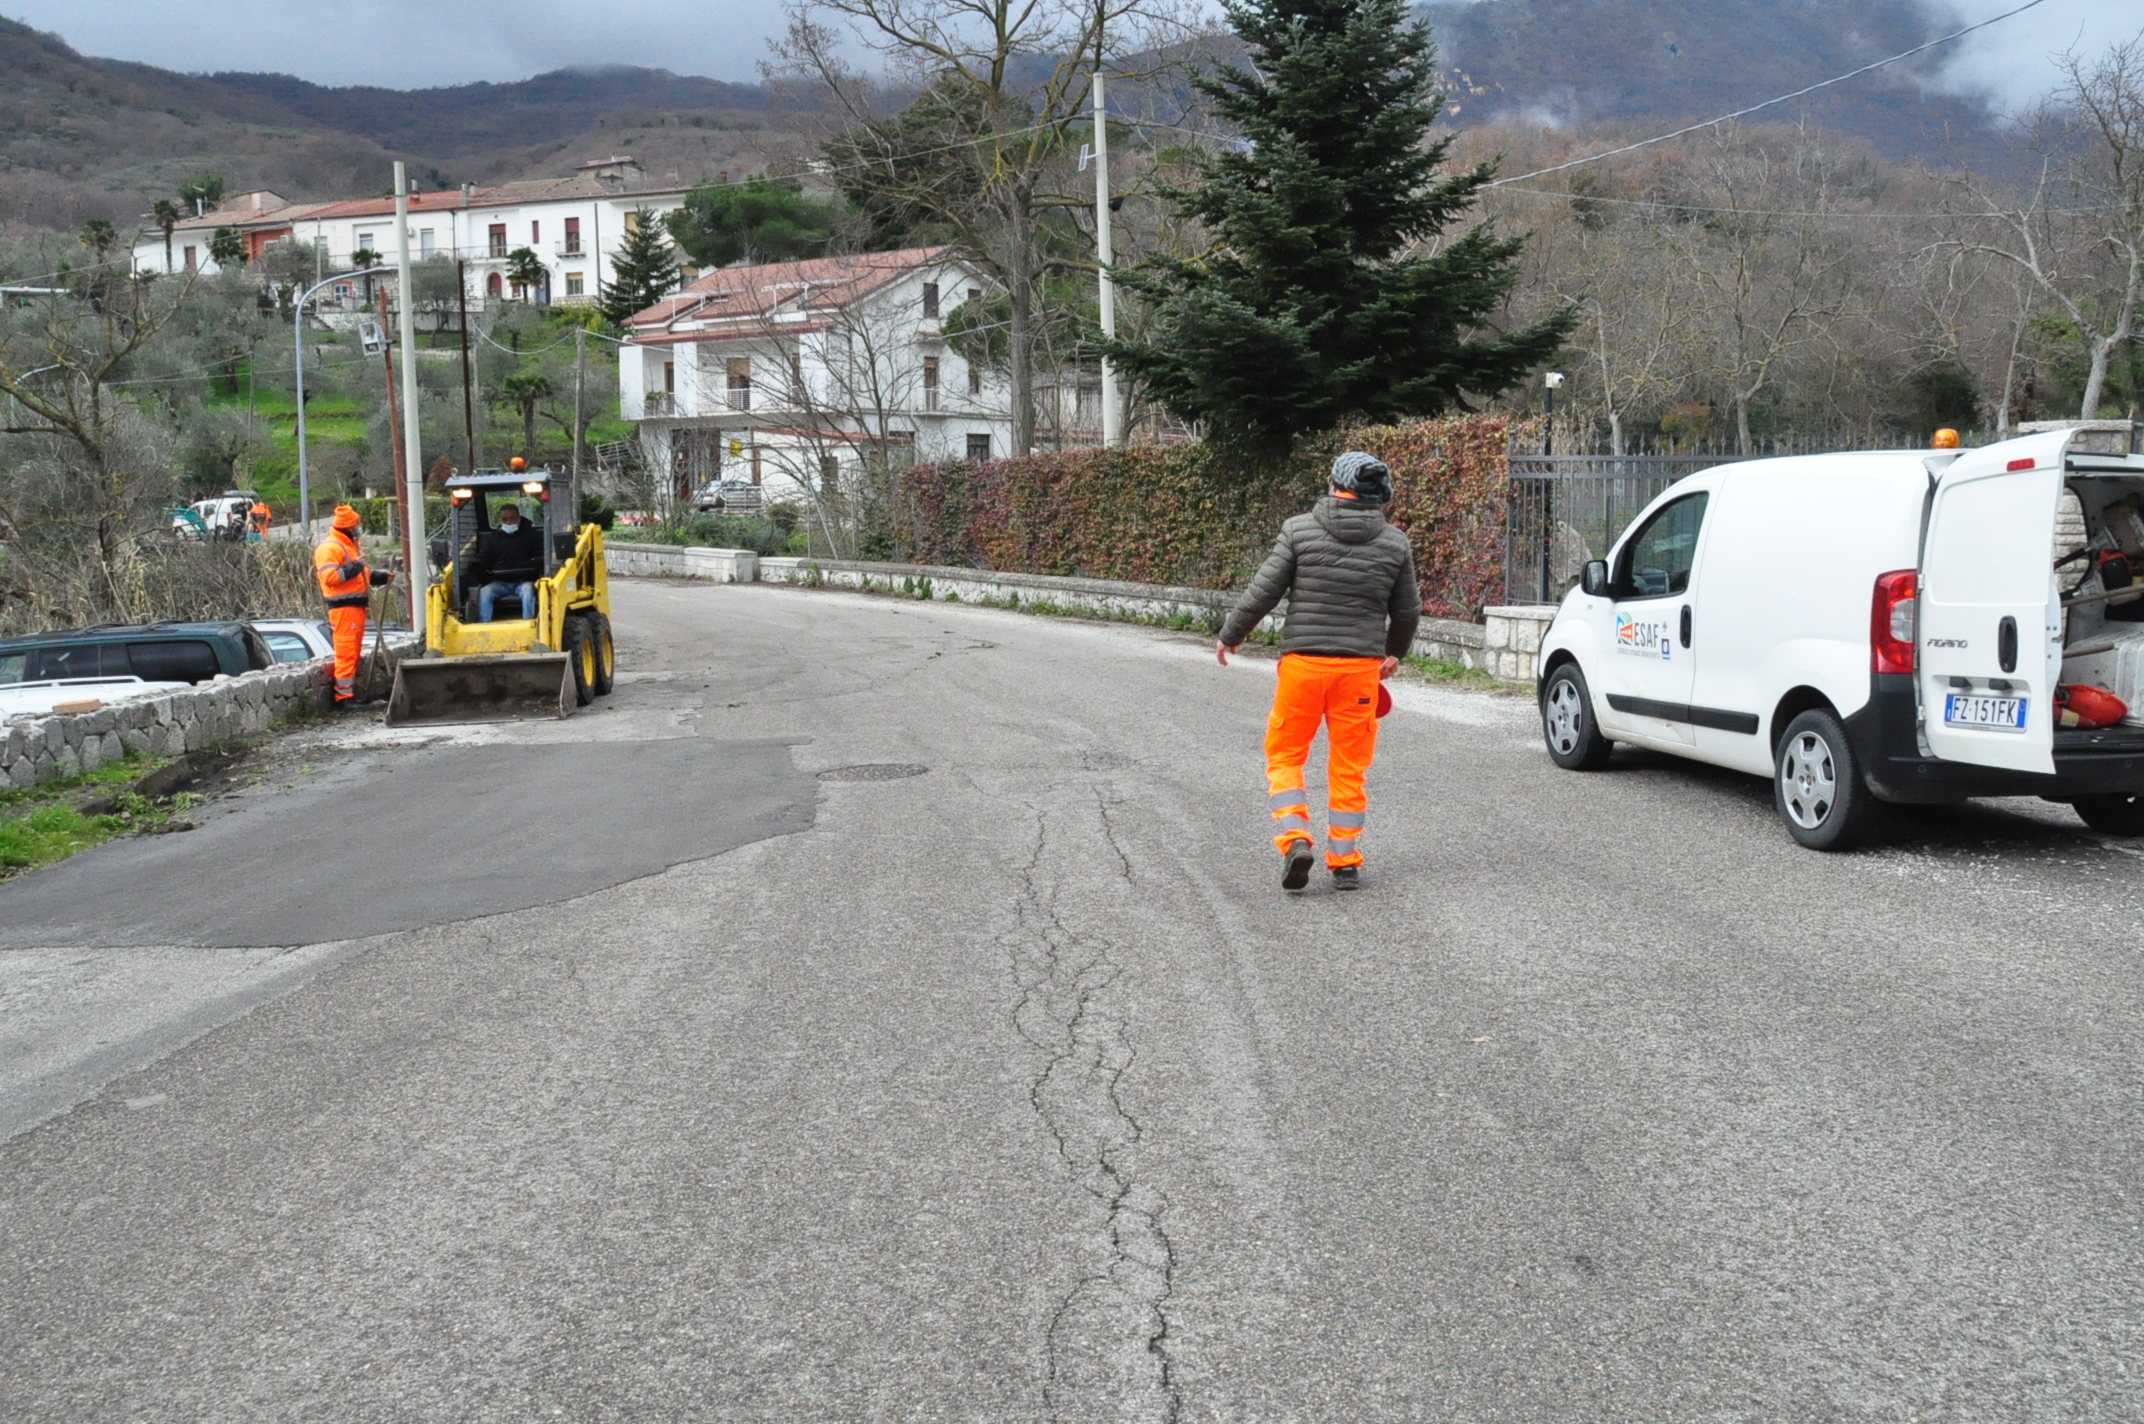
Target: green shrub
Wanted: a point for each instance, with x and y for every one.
(1186, 515)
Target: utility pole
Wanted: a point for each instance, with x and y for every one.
(580, 365)
(387, 356)
(1106, 257)
(412, 449)
(461, 283)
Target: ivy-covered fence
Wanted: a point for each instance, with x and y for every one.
(1183, 515)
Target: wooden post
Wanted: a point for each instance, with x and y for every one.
(394, 422)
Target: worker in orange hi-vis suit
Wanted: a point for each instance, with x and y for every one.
(347, 584)
(260, 515)
(1353, 606)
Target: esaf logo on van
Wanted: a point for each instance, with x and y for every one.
(1632, 636)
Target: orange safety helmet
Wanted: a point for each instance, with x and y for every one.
(346, 517)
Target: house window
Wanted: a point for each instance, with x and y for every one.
(426, 243)
(978, 447)
(498, 239)
(669, 378)
(930, 301)
(494, 286)
(829, 471)
(975, 379)
(575, 284)
(975, 294)
(738, 374)
(190, 259)
(796, 378)
(573, 237)
(930, 383)
(363, 241)
(342, 291)
(632, 222)
(535, 232)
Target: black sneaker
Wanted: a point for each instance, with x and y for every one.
(1295, 873)
(1347, 877)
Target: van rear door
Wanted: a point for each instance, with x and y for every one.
(1989, 615)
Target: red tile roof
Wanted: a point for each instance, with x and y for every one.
(734, 298)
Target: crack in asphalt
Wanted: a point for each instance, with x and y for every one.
(1065, 977)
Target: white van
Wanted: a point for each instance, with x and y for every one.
(1871, 627)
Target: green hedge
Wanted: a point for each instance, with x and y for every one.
(1185, 514)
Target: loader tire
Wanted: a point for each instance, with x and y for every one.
(606, 654)
(580, 651)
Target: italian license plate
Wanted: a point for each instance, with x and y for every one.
(1996, 714)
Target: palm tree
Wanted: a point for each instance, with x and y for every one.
(359, 260)
(525, 390)
(526, 271)
(166, 216)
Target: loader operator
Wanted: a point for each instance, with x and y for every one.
(1353, 605)
(509, 560)
(347, 584)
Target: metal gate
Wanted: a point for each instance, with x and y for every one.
(1566, 509)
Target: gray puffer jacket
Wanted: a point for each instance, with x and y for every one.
(1349, 580)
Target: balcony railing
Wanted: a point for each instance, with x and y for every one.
(661, 403)
(569, 247)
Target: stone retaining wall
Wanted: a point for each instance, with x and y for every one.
(1445, 639)
(36, 749)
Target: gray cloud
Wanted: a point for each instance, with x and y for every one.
(2014, 60)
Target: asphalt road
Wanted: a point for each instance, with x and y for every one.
(660, 1065)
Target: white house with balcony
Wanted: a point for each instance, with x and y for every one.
(791, 375)
(575, 226)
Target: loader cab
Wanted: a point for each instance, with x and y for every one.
(473, 508)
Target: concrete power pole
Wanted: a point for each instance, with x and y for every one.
(418, 574)
(1105, 254)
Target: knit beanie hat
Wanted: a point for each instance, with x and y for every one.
(346, 517)
(1364, 476)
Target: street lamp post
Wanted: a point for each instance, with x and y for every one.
(297, 322)
(1549, 380)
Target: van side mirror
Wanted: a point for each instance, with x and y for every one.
(1594, 580)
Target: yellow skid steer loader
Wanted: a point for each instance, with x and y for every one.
(511, 667)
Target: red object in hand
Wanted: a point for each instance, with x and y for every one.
(2082, 705)
(1384, 698)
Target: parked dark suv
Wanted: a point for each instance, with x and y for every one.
(154, 652)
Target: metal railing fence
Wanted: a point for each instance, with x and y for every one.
(1566, 509)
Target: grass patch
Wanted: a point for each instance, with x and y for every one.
(52, 821)
(1445, 673)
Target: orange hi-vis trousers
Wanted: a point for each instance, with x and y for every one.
(1342, 694)
(349, 628)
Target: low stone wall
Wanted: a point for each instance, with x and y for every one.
(36, 749)
(673, 561)
(1511, 646)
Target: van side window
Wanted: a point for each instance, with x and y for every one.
(81, 660)
(173, 662)
(15, 667)
(1656, 563)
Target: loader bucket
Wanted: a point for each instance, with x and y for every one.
(502, 688)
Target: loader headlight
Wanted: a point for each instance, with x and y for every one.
(534, 487)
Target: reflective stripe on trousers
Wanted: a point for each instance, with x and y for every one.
(1339, 694)
(349, 627)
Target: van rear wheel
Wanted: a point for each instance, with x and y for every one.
(2113, 815)
(1817, 784)
(1568, 725)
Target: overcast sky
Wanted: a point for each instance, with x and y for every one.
(417, 43)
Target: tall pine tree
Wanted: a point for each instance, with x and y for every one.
(1304, 312)
(643, 272)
